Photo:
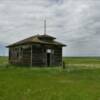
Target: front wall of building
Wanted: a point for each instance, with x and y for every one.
(57, 56)
(37, 55)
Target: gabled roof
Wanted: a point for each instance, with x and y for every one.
(39, 39)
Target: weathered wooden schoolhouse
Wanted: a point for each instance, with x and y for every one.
(38, 50)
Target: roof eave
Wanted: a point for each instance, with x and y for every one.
(13, 45)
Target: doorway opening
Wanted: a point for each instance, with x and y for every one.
(48, 59)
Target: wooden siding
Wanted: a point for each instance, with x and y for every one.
(35, 55)
(26, 58)
(14, 57)
(57, 57)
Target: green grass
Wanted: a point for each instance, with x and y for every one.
(3, 60)
(82, 60)
(50, 83)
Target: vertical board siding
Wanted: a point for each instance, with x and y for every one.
(36, 57)
(26, 56)
(57, 57)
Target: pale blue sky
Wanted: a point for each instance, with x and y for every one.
(74, 22)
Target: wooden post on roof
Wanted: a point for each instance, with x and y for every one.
(45, 27)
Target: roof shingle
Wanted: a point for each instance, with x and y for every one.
(40, 39)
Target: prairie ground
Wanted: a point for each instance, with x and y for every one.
(76, 82)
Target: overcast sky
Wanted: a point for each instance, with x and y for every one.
(74, 22)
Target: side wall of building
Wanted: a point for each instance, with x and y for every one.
(19, 55)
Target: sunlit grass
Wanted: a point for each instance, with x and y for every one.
(72, 83)
(82, 60)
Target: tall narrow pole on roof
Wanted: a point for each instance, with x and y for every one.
(45, 27)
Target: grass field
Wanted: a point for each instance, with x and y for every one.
(73, 83)
(82, 60)
(3, 60)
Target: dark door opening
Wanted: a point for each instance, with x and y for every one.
(48, 59)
